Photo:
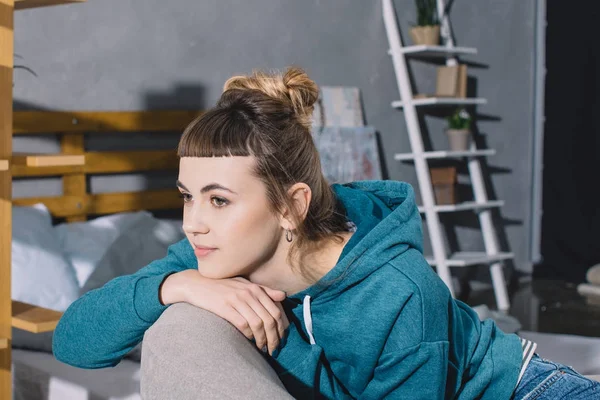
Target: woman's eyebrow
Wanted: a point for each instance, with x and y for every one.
(181, 185)
(207, 188)
(213, 186)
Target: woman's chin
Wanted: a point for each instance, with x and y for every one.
(207, 273)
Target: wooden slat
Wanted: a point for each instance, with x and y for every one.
(130, 161)
(3, 343)
(33, 318)
(109, 203)
(6, 105)
(59, 206)
(24, 4)
(42, 122)
(74, 184)
(48, 160)
(105, 162)
(22, 171)
(4, 165)
(106, 203)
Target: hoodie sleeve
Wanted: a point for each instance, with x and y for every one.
(105, 324)
(418, 372)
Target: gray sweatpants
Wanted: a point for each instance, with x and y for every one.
(190, 353)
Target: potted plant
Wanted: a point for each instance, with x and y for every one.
(427, 30)
(459, 130)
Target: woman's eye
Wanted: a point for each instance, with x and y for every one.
(186, 197)
(219, 201)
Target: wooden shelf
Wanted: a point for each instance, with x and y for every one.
(442, 101)
(446, 154)
(465, 258)
(466, 206)
(34, 319)
(4, 165)
(427, 51)
(3, 343)
(52, 122)
(48, 160)
(25, 4)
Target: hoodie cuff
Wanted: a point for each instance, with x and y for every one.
(146, 301)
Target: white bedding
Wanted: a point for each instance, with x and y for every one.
(39, 376)
(99, 251)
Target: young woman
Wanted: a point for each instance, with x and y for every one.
(329, 280)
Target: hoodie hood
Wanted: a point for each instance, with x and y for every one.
(382, 324)
(387, 224)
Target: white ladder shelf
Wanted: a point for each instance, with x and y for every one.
(441, 260)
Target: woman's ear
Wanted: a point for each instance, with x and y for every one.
(300, 196)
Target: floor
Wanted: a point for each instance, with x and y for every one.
(552, 314)
(549, 307)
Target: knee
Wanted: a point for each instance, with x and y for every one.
(183, 327)
(190, 353)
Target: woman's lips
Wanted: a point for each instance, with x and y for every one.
(201, 251)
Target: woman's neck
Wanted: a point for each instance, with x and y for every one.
(280, 274)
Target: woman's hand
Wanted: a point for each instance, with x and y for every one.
(254, 310)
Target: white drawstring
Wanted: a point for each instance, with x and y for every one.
(308, 319)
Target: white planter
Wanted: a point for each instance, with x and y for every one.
(459, 139)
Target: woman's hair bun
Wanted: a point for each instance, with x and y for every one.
(293, 87)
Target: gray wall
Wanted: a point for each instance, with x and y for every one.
(131, 55)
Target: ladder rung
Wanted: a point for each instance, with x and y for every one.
(435, 51)
(465, 259)
(441, 101)
(446, 154)
(466, 206)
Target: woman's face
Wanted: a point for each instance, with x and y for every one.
(226, 215)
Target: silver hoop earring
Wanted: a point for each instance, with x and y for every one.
(288, 235)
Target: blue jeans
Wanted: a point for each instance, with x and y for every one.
(545, 380)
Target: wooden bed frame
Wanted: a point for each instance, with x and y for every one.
(74, 165)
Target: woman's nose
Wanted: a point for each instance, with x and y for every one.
(194, 221)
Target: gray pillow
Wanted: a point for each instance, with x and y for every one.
(144, 241)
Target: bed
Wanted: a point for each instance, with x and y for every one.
(38, 375)
(65, 245)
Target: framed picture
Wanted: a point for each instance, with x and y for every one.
(348, 153)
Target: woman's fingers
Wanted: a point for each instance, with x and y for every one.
(249, 307)
(265, 320)
(284, 318)
(239, 322)
(254, 321)
(271, 318)
(276, 295)
(276, 312)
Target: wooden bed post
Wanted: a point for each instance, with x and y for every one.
(75, 184)
(6, 121)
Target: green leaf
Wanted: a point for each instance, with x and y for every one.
(426, 12)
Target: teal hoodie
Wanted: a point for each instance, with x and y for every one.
(380, 324)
